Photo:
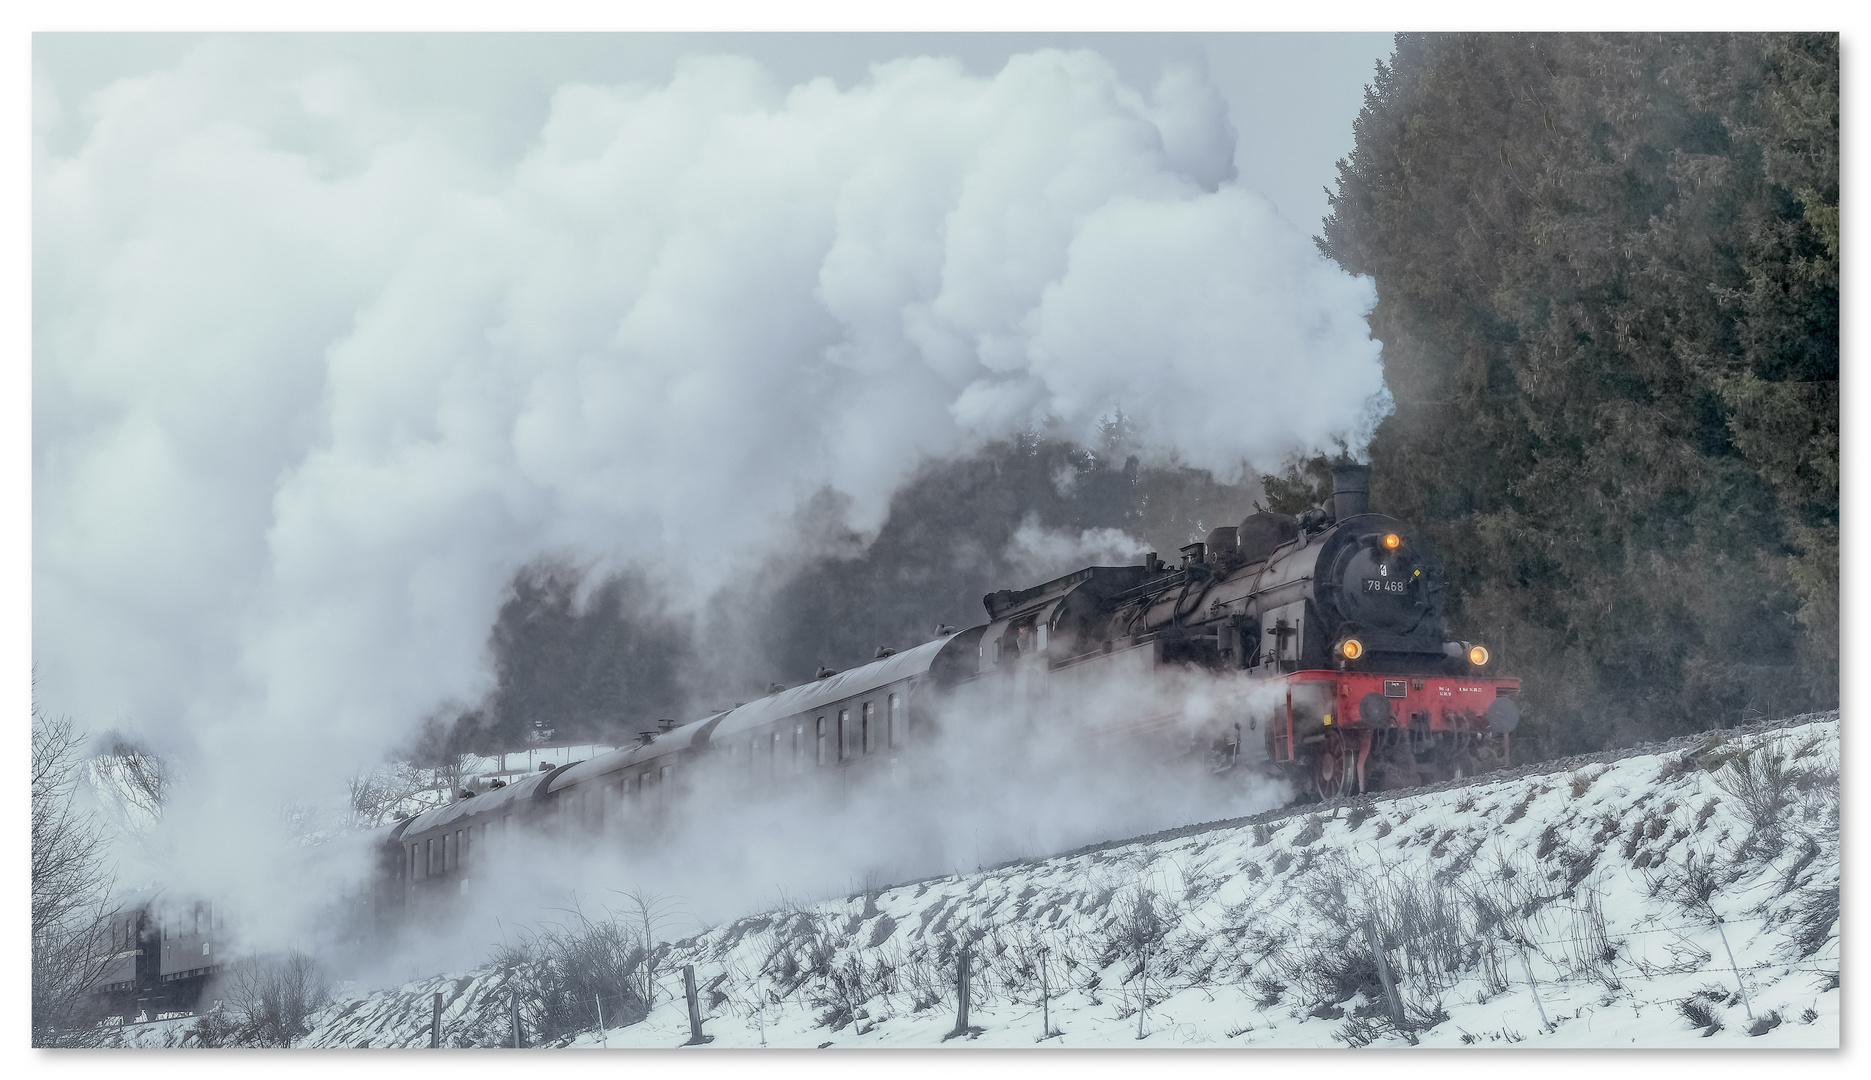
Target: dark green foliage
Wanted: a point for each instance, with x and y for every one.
(946, 543)
(1607, 270)
(604, 668)
(1305, 484)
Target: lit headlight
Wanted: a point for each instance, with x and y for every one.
(1392, 541)
(1478, 655)
(1351, 649)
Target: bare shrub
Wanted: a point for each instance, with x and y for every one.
(1426, 913)
(1815, 914)
(212, 1030)
(378, 795)
(269, 1001)
(1589, 951)
(1762, 783)
(1692, 886)
(1140, 923)
(1700, 1015)
(569, 975)
(132, 775)
(650, 914)
(1360, 1031)
(1330, 969)
(848, 985)
(71, 890)
(1817, 785)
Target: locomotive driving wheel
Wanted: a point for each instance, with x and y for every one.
(1335, 760)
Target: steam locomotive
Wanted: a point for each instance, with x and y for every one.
(1324, 632)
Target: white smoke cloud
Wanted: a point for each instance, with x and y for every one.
(1038, 554)
(310, 382)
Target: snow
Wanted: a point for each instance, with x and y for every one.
(1251, 933)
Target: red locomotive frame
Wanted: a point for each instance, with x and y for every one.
(1431, 715)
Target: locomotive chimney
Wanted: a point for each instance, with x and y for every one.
(1351, 491)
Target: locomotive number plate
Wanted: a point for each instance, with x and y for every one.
(1386, 585)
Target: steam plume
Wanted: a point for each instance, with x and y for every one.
(310, 382)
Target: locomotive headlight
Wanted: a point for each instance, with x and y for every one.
(1478, 655)
(1392, 541)
(1351, 649)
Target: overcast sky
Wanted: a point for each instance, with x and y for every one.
(333, 333)
(1292, 96)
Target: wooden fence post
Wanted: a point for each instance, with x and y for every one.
(1143, 986)
(961, 992)
(513, 1004)
(1521, 943)
(435, 1023)
(1045, 998)
(696, 1038)
(1390, 983)
(1739, 985)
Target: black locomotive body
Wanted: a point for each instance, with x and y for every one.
(1320, 635)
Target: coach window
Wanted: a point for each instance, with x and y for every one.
(409, 871)
(870, 728)
(896, 721)
(824, 749)
(844, 734)
(428, 857)
(773, 755)
(799, 748)
(662, 786)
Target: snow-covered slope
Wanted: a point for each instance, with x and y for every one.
(1675, 895)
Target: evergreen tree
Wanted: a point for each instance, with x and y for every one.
(1607, 270)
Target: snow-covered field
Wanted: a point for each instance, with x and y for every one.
(1683, 895)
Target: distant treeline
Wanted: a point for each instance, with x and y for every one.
(1607, 270)
(605, 660)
